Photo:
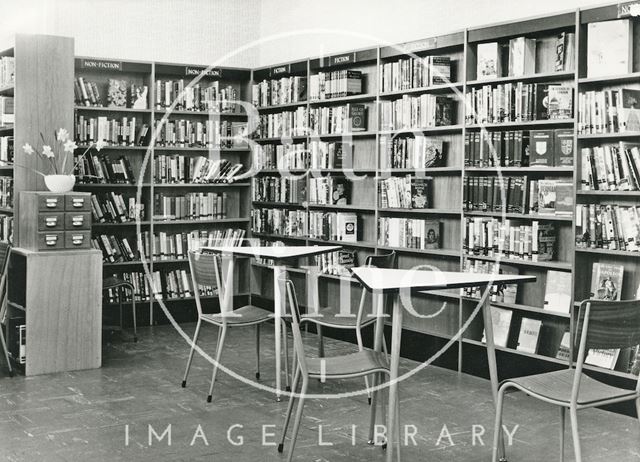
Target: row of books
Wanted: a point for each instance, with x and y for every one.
(92, 168)
(165, 285)
(115, 207)
(337, 263)
(6, 150)
(611, 167)
(191, 206)
(329, 190)
(499, 293)
(6, 228)
(7, 111)
(6, 191)
(406, 192)
(415, 72)
(421, 111)
(7, 70)
(330, 154)
(280, 222)
(178, 169)
(528, 338)
(335, 84)
(172, 246)
(274, 92)
(116, 249)
(286, 123)
(610, 226)
(281, 156)
(128, 131)
(334, 226)
(609, 111)
(518, 102)
(507, 239)
(416, 152)
(278, 189)
(186, 133)
(518, 194)
(409, 233)
(335, 120)
(211, 96)
(120, 93)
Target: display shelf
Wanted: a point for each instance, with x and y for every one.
(610, 80)
(517, 352)
(609, 136)
(282, 106)
(443, 88)
(555, 265)
(358, 208)
(343, 99)
(419, 211)
(599, 193)
(523, 170)
(113, 109)
(540, 77)
(609, 253)
(520, 216)
(528, 124)
(424, 130)
(7, 90)
(436, 252)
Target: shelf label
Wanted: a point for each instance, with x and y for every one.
(627, 9)
(419, 45)
(102, 65)
(281, 69)
(190, 70)
(343, 59)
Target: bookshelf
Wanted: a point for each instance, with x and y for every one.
(175, 126)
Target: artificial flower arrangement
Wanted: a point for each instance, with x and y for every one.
(59, 178)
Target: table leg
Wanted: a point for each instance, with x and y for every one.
(377, 301)
(396, 335)
(279, 272)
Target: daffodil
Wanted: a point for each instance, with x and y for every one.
(27, 149)
(69, 146)
(100, 144)
(48, 152)
(62, 135)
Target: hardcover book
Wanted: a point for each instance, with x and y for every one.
(606, 281)
(564, 198)
(560, 102)
(564, 350)
(488, 61)
(117, 93)
(541, 148)
(420, 192)
(341, 191)
(609, 48)
(603, 358)
(563, 148)
(547, 197)
(347, 227)
(432, 234)
(501, 321)
(522, 56)
(358, 116)
(529, 334)
(557, 295)
(629, 117)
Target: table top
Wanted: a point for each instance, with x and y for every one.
(283, 252)
(394, 280)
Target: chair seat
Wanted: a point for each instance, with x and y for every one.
(112, 282)
(331, 317)
(351, 365)
(246, 315)
(557, 386)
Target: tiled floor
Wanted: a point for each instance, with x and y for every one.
(83, 416)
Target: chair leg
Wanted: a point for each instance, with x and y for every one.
(286, 357)
(221, 335)
(257, 351)
(374, 404)
(296, 423)
(498, 438)
(193, 347)
(638, 408)
(135, 318)
(397, 443)
(573, 413)
(366, 379)
(120, 307)
(320, 341)
(384, 345)
(4, 349)
(287, 418)
(563, 414)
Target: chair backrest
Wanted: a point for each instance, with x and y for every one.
(206, 271)
(293, 309)
(605, 325)
(387, 260)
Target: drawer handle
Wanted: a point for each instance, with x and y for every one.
(51, 240)
(77, 239)
(77, 202)
(51, 202)
(77, 221)
(51, 222)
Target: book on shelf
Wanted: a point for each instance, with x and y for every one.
(330, 155)
(280, 222)
(488, 61)
(177, 169)
(279, 189)
(406, 192)
(557, 294)
(7, 71)
(504, 238)
(114, 207)
(7, 111)
(604, 358)
(191, 206)
(608, 226)
(163, 246)
(329, 190)
(186, 133)
(335, 84)
(529, 335)
(336, 120)
(612, 110)
(335, 226)
(415, 72)
(565, 52)
(416, 112)
(294, 156)
(202, 96)
(497, 149)
(286, 90)
(555, 198)
(282, 124)
(7, 150)
(6, 192)
(409, 233)
(337, 263)
(634, 361)
(606, 281)
(564, 349)
(611, 167)
(128, 131)
(501, 323)
(116, 94)
(103, 169)
(6, 228)
(417, 152)
(116, 249)
(499, 293)
(522, 56)
(609, 48)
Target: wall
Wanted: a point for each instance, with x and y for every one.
(361, 23)
(189, 31)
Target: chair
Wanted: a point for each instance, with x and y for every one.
(601, 325)
(330, 317)
(5, 252)
(361, 364)
(206, 272)
(118, 284)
